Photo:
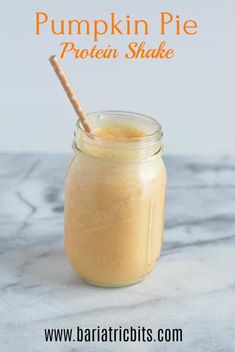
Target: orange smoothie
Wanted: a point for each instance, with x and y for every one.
(114, 206)
(117, 131)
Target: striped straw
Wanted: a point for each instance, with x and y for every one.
(70, 93)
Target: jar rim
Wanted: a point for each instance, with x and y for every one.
(156, 133)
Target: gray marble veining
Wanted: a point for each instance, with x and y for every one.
(192, 286)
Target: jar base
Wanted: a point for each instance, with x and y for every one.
(93, 283)
(99, 284)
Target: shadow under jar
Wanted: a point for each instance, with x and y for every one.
(114, 201)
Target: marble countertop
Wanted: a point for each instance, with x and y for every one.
(192, 286)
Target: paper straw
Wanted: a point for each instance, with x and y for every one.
(70, 93)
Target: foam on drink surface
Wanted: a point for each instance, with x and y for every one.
(119, 131)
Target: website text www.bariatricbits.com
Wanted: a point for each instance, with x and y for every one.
(111, 334)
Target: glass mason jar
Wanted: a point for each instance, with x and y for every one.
(114, 201)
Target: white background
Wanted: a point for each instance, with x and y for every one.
(192, 95)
